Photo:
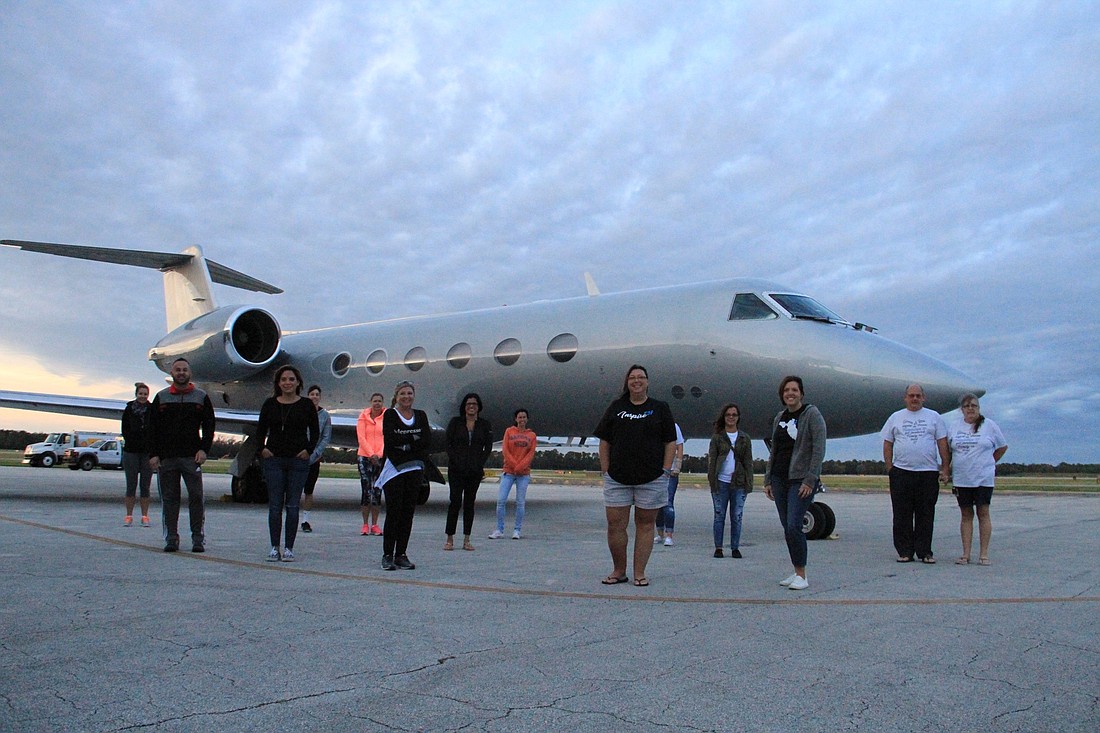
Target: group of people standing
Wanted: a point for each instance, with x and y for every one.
(638, 442)
(469, 441)
(638, 439)
(921, 451)
(640, 447)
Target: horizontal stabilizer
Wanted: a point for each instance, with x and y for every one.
(142, 258)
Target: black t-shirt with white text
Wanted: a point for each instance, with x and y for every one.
(637, 435)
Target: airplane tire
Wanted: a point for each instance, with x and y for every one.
(46, 460)
(813, 522)
(830, 520)
(250, 488)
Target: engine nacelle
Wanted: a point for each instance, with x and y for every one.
(225, 345)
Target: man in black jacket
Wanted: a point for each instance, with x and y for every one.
(181, 431)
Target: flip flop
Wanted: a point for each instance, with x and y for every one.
(929, 560)
(963, 561)
(905, 559)
(641, 582)
(613, 580)
(984, 561)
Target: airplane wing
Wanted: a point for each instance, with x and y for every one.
(228, 421)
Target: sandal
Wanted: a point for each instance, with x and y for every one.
(641, 582)
(905, 559)
(614, 579)
(984, 561)
(449, 544)
(928, 560)
(962, 561)
(466, 545)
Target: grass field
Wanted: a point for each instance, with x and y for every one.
(1039, 483)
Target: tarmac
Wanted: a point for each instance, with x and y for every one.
(102, 631)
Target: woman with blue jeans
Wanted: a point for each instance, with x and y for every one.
(794, 470)
(288, 431)
(518, 448)
(729, 473)
(666, 517)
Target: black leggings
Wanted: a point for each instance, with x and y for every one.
(463, 494)
(401, 494)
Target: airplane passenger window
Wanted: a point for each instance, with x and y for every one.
(459, 355)
(416, 359)
(376, 362)
(562, 347)
(749, 307)
(340, 364)
(801, 306)
(507, 352)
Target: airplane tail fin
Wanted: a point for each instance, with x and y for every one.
(187, 275)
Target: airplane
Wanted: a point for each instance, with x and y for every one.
(704, 344)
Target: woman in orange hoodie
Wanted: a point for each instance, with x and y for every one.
(519, 448)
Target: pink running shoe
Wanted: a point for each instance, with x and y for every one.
(365, 531)
(376, 530)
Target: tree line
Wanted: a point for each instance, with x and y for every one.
(555, 460)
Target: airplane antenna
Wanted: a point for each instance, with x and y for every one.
(590, 284)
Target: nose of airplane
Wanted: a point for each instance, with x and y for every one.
(898, 366)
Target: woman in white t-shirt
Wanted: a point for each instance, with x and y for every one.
(976, 445)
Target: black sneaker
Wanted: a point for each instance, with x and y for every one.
(198, 548)
(306, 527)
(718, 552)
(735, 553)
(402, 561)
(171, 547)
(387, 563)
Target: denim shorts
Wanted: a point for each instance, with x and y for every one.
(653, 495)
(974, 495)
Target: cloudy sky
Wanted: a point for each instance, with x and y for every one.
(929, 168)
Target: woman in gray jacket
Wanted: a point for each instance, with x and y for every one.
(794, 470)
(729, 473)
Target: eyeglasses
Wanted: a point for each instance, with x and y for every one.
(970, 406)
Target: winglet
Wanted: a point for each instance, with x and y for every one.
(590, 284)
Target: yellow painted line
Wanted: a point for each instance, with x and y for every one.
(642, 594)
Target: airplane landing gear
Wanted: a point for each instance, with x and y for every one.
(819, 522)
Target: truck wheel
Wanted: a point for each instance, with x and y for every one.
(74, 467)
(47, 460)
(87, 463)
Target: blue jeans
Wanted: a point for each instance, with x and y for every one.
(734, 499)
(286, 477)
(792, 511)
(666, 517)
(506, 482)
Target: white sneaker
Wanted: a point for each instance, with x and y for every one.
(657, 539)
(515, 534)
(496, 535)
(788, 580)
(273, 556)
(668, 542)
(288, 554)
(799, 583)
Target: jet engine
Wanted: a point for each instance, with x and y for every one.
(225, 345)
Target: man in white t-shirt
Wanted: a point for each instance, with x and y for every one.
(914, 446)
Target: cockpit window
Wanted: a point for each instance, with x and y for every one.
(749, 307)
(801, 306)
